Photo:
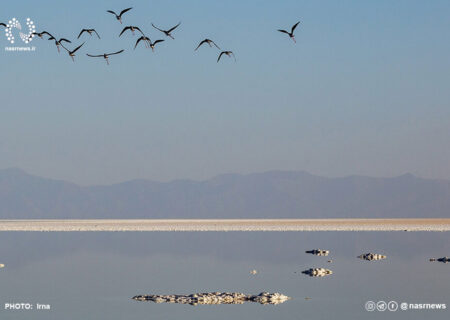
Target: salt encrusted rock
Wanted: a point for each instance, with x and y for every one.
(318, 252)
(216, 298)
(444, 259)
(317, 272)
(372, 256)
(254, 271)
(269, 298)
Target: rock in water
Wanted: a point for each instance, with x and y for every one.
(215, 298)
(444, 259)
(317, 272)
(2, 265)
(371, 256)
(318, 252)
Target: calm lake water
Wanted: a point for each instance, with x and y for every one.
(94, 275)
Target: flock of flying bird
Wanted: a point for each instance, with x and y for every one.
(146, 40)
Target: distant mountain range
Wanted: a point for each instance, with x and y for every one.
(274, 194)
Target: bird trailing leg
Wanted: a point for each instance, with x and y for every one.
(293, 39)
(107, 61)
(72, 58)
(57, 47)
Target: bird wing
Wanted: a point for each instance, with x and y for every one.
(77, 48)
(110, 54)
(284, 31)
(139, 30)
(94, 56)
(93, 30)
(157, 41)
(294, 26)
(139, 40)
(220, 55)
(215, 44)
(51, 38)
(110, 11)
(45, 32)
(124, 29)
(173, 28)
(124, 10)
(64, 39)
(84, 30)
(65, 48)
(2, 24)
(157, 28)
(201, 42)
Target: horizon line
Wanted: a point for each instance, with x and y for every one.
(407, 174)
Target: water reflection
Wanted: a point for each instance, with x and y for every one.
(443, 260)
(317, 272)
(371, 256)
(93, 275)
(216, 298)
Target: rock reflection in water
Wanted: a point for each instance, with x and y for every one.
(319, 252)
(444, 259)
(215, 298)
(317, 272)
(372, 256)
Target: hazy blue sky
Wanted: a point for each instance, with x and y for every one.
(365, 90)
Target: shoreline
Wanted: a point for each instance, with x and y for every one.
(195, 225)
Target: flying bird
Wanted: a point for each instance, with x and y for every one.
(152, 44)
(40, 34)
(105, 55)
(72, 53)
(208, 41)
(58, 43)
(131, 28)
(89, 31)
(291, 34)
(228, 53)
(167, 32)
(148, 42)
(119, 17)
